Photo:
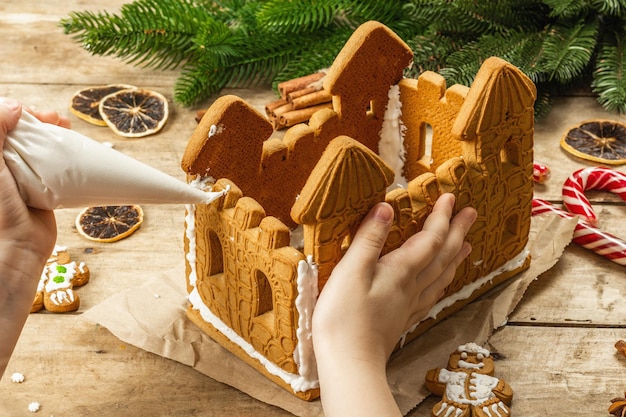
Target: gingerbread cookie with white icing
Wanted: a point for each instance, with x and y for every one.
(60, 276)
(467, 386)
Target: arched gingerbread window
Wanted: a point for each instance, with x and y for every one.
(215, 254)
(265, 297)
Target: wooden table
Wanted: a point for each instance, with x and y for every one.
(556, 349)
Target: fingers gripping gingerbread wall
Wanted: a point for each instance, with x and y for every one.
(325, 175)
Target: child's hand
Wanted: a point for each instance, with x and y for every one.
(368, 302)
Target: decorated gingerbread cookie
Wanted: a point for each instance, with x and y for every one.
(467, 386)
(60, 276)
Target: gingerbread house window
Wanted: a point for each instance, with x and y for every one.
(510, 153)
(426, 140)
(265, 299)
(511, 229)
(215, 254)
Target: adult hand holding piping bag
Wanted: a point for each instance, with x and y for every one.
(46, 166)
(27, 237)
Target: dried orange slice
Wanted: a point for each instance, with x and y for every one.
(85, 103)
(601, 141)
(134, 113)
(109, 223)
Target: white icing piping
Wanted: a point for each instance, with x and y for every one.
(391, 144)
(305, 304)
(468, 290)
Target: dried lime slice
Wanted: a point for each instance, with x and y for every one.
(134, 113)
(85, 103)
(601, 141)
(109, 223)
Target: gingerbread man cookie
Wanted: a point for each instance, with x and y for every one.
(55, 292)
(467, 386)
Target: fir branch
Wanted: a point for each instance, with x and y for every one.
(567, 9)
(609, 80)
(287, 16)
(612, 7)
(567, 50)
(221, 43)
(316, 55)
(519, 48)
(143, 34)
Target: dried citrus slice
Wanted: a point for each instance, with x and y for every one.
(134, 113)
(85, 103)
(109, 223)
(601, 141)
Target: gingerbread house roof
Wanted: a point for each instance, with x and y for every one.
(348, 170)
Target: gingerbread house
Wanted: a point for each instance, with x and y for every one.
(258, 257)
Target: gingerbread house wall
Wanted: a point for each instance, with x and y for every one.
(247, 273)
(294, 157)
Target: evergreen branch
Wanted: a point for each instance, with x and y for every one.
(430, 52)
(303, 16)
(314, 56)
(221, 43)
(519, 48)
(609, 81)
(567, 9)
(141, 30)
(612, 7)
(567, 50)
(469, 18)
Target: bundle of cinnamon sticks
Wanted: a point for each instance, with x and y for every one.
(299, 99)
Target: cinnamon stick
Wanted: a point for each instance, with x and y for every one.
(299, 83)
(312, 99)
(299, 93)
(270, 107)
(199, 115)
(294, 117)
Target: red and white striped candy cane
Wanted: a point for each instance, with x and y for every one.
(541, 172)
(598, 178)
(590, 237)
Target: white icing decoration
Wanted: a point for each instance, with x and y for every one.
(305, 304)
(33, 407)
(17, 377)
(58, 248)
(391, 144)
(480, 387)
(59, 279)
(60, 296)
(469, 289)
(469, 365)
(472, 347)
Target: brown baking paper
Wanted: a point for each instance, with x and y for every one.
(152, 317)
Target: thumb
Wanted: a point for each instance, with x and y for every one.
(10, 111)
(371, 236)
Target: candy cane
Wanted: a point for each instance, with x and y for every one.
(588, 236)
(599, 178)
(541, 173)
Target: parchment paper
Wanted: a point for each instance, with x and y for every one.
(152, 317)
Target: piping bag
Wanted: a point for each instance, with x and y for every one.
(56, 168)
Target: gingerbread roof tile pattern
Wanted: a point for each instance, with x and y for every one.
(252, 284)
